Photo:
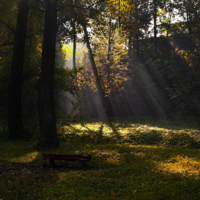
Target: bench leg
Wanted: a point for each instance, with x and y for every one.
(81, 164)
(50, 162)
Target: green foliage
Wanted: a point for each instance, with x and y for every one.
(113, 72)
(64, 80)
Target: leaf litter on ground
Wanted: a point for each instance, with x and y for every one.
(117, 170)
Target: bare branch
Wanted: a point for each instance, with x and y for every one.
(8, 26)
(6, 44)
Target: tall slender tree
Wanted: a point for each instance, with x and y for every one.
(45, 84)
(15, 86)
(74, 50)
(94, 69)
(155, 23)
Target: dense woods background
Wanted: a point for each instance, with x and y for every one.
(63, 61)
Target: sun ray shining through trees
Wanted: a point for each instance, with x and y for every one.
(112, 59)
(117, 81)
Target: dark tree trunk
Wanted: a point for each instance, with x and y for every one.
(45, 84)
(94, 69)
(109, 39)
(137, 44)
(15, 86)
(129, 45)
(74, 51)
(190, 26)
(137, 31)
(109, 49)
(107, 100)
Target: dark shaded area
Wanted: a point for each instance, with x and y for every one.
(16, 75)
(31, 168)
(142, 175)
(45, 84)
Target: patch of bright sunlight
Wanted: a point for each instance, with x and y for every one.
(124, 131)
(107, 131)
(79, 126)
(29, 157)
(131, 129)
(181, 165)
(141, 128)
(94, 127)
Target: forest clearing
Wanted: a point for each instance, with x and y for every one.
(111, 84)
(130, 160)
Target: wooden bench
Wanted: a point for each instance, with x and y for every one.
(70, 157)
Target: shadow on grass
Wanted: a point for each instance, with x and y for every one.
(174, 123)
(115, 172)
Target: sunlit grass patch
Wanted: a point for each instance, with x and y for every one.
(29, 157)
(95, 127)
(181, 165)
(135, 133)
(10, 151)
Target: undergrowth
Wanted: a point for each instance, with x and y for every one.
(163, 133)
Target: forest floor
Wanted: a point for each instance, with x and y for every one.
(133, 158)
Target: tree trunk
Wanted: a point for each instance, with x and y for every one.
(74, 51)
(107, 100)
(45, 84)
(94, 69)
(109, 39)
(137, 30)
(15, 86)
(129, 45)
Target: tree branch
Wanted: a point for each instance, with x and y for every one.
(6, 44)
(8, 26)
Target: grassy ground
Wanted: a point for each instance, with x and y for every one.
(131, 159)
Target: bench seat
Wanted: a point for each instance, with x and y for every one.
(69, 157)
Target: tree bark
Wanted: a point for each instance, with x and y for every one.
(47, 117)
(15, 86)
(74, 51)
(107, 100)
(109, 39)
